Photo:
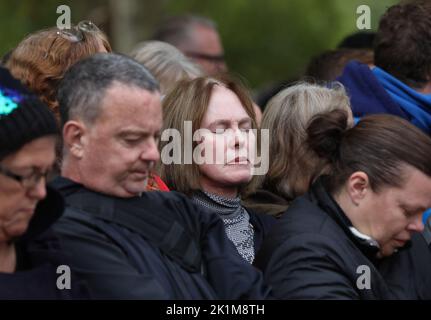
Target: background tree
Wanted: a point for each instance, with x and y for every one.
(265, 40)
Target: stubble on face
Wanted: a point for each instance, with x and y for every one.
(120, 151)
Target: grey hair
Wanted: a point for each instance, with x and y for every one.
(287, 116)
(168, 64)
(84, 85)
(176, 30)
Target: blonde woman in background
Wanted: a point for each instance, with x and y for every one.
(167, 64)
(292, 166)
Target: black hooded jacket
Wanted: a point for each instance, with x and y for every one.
(312, 254)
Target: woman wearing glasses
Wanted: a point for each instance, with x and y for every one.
(42, 58)
(28, 134)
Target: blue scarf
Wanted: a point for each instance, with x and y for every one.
(426, 215)
(416, 105)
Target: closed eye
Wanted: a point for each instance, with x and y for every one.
(407, 213)
(132, 141)
(410, 212)
(219, 130)
(157, 136)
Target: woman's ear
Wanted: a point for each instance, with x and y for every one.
(358, 185)
(74, 138)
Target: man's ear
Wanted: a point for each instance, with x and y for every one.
(358, 185)
(74, 138)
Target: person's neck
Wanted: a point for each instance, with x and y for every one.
(7, 257)
(424, 90)
(228, 192)
(351, 211)
(69, 170)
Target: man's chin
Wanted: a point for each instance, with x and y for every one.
(136, 188)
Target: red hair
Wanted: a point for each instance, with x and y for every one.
(42, 58)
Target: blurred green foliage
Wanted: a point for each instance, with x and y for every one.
(265, 40)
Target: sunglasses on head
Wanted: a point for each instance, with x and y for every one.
(74, 34)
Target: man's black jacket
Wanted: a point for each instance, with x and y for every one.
(157, 246)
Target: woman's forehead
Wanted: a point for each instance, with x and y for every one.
(37, 153)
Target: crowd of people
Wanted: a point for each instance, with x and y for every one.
(138, 172)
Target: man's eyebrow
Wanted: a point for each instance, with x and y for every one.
(413, 208)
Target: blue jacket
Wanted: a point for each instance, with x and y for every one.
(157, 246)
(367, 95)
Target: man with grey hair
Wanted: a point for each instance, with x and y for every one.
(198, 38)
(125, 242)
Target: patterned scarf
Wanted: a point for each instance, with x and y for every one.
(236, 220)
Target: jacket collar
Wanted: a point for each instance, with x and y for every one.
(169, 232)
(46, 213)
(268, 202)
(65, 186)
(326, 202)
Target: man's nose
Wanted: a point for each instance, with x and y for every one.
(151, 152)
(416, 225)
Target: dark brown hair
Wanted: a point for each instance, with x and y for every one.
(330, 64)
(403, 42)
(378, 145)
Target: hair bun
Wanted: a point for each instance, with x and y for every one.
(325, 132)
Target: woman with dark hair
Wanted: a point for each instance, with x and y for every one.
(28, 133)
(356, 233)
